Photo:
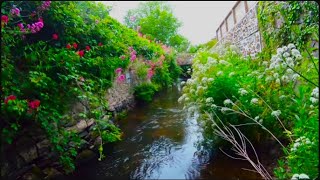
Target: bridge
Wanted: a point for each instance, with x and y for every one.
(184, 59)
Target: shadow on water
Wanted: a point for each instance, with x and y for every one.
(161, 141)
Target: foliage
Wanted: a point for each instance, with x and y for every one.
(145, 92)
(155, 19)
(276, 98)
(179, 42)
(287, 21)
(55, 54)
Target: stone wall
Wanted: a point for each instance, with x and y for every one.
(30, 155)
(245, 34)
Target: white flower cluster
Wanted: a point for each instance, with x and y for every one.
(211, 61)
(209, 100)
(315, 96)
(242, 91)
(300, 141)
(299, 176)
(254, 101)
(227, 102)
(257, 118)
(276, 113)
(286, 58)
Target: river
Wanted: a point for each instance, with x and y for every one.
(163, 141)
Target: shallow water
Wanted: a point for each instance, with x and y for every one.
(162, 141)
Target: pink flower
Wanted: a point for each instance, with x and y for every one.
(132, 18)
(97, 21)
(88, 48)
(21, 26)
(122, 57)
(55, 36)
(68, 46)
(118, 70)
(81, 79)
(80, 53)
(130, 48)
(133, 57)
(100, 44)
(121, 78)
(15, 11)
(140, 34)
(150, 73)
(133, 53)
(35, 27)
(34, 104)
(4, 19)
(75, 45)
(10, 98)
(45, 5)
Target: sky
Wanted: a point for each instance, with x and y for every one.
(200, 19)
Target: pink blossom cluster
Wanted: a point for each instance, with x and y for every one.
(133, 54)
(119, 70)
(150, 73)
(121, 78)
(45, 5)
(35, 27)
(15, 12)
(21, 26)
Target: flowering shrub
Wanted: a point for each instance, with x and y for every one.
(276, 98)
(68, 52)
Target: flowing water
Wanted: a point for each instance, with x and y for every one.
(163, 141)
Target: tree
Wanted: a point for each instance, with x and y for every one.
(179, 42)
(155, 20)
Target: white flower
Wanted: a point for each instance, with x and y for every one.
(227, 101)
(224, 109)
(295, 76)
(210, 79)
(187, 99)
(286, 54)
(285, 78)
(282, 96)
(265, 63)
(180, 99)
(243, 91)
(289, 60)
(256, 118)
(303, 176)
(295, 52)
(315, 92)
(276, 113)
(291, 46)
(275, 75)
(219, 73)
(296, 145)
(183, 82)
(285, 48)
(278, 81)
(204, 80)
(314, 100)
(279, 51)
(209, 100)
(213, 106)
(254, 101)
(289, 71)
(269, 78)
(231, 74)
(224, 62)
(293, 149)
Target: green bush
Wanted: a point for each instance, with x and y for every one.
(145, 92)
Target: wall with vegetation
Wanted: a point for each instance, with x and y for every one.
(245, 34)
(274, 97)
(58, 61)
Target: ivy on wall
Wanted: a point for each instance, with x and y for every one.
(283, 22)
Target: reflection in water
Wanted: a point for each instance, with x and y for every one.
(160, 142)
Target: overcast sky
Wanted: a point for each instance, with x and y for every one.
(200, 18)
